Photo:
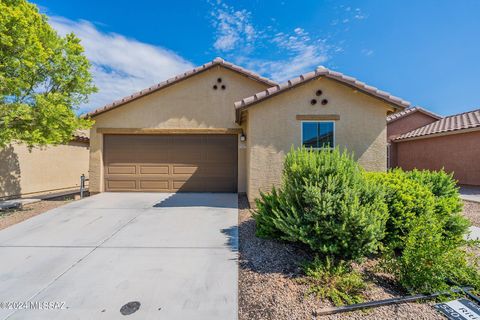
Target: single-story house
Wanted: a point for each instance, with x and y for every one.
(420, 139)
(222, 128)
(43, 171)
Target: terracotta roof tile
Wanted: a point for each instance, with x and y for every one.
(180, 77)
(398, 115)
(81, 136)
(456, 122)
(321, 72)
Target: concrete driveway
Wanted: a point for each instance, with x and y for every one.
(176, 254)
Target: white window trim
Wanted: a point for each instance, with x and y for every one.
(317, 121)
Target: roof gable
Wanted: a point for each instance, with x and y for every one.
(450, 124)
(320, 72)
(181, 77)
(409, 111)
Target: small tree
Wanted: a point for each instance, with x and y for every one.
(43, 78)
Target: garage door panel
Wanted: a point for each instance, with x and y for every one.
(161, 185)
(185, 185)
(186, 155)
(151, 169)
(169, 163)
(219, 170)
(184, 169)
(199, 185)
(217, 156)
(121, 169)
(120, 184)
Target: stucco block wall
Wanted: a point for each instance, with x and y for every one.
(408, 123)
(273, 129)
(42, 171)
(191, 103)
(458, 153)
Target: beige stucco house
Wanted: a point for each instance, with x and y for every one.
(221, 128)
(42, 171)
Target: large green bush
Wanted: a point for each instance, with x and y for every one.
(448, 205)
(325, 202)
(409, 195)
(406, 199)
(431, 262)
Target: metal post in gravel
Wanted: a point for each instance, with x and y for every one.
(386, 302)
(82, 185)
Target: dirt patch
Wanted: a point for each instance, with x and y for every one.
(471, 210)
(270, 286)
(13, 216)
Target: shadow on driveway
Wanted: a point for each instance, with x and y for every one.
(216, 200)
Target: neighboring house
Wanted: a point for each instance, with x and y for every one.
(221, 128)
(43, 171)
(402, 122)
(452, 143)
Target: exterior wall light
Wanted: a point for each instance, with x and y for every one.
(243, 137)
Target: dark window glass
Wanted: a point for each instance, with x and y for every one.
(317, 134)
(310, 130)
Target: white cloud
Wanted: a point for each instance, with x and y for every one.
(367, 52)
(302, 53)
(236, 36)
(233, 27)
(120, 65)
(359, 14)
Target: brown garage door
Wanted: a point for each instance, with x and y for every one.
(171, 163)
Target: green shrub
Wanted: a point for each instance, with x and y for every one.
(448, 205)
(334, 281)
(266, 215)
(326, 203)
(430, 262)
(406, 199)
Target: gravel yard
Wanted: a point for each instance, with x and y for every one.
(269, 286)
(471, 210)
(12, 216)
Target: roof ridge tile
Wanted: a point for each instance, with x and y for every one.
(456, 122)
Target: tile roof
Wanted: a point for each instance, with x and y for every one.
(456, 122)
(81, 136)
(398, 115)
(180, 77)
(321, 72)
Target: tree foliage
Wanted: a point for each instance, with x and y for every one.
(43, 78)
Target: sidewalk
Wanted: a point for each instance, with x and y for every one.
(470, 193)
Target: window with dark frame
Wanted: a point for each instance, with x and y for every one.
(318, 134)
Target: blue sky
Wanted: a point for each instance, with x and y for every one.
(426, 52)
